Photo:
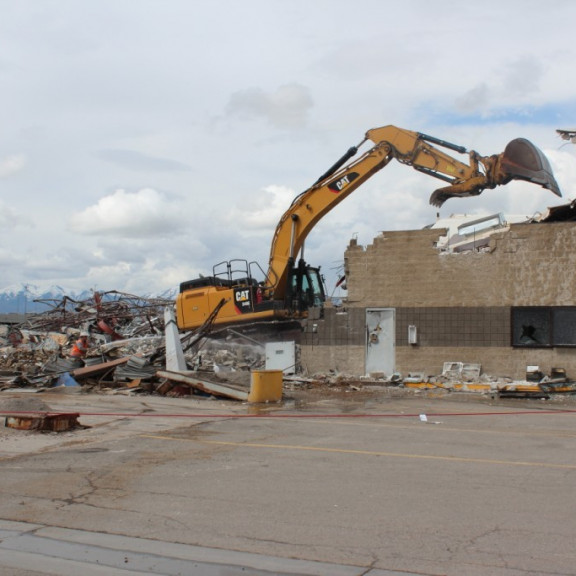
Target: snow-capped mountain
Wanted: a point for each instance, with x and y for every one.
(30, 298)
(27, 298)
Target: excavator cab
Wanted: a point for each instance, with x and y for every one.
(521, 160)
(306, 289)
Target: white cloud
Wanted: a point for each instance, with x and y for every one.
(11, 164)
(522, 76)
(292, 86)
(513, 83)
(264, 211)
(130, 214)
(287, 107)
(474, 100)
(11, 218)
(563, 164)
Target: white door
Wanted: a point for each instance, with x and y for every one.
(380, 341)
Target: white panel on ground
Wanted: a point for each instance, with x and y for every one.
(281, 356)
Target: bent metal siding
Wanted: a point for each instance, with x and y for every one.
(460, 303)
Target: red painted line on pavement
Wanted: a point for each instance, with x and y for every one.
(280, 416)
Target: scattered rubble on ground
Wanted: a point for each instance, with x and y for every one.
(128, 356)
(127, 349)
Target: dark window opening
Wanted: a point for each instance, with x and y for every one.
(564, 326)
(538, 327)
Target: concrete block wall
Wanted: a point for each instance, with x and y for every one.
(335, 343)
(320, 355)
(460, 303)
(495, 362)
(529, 265)
(349, 359)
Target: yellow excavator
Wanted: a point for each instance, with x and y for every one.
(239, 291)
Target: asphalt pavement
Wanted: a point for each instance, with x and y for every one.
(373, 485)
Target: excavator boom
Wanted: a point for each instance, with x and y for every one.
(521, 160)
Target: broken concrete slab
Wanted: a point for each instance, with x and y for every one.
(466, 371)
(216, 389)
(98, 368)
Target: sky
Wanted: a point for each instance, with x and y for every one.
(143, 142)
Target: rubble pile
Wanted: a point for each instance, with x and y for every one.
(127, 348)
(127, 354)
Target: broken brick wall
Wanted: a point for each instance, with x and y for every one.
(335, 342)
(460, 303)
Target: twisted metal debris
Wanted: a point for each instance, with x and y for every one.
(127, 345)
(117, 314)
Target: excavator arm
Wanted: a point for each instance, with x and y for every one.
(520, 160)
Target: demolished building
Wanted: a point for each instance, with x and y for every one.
(493, 292)
(129, 351)
(465, 298)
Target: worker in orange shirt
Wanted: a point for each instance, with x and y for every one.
(80, 347)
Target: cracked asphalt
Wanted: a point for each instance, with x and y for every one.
(375, 485)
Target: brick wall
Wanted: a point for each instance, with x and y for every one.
(460, 303)
(529, 265)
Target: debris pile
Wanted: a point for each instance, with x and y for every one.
(126, 348)
(127, 354)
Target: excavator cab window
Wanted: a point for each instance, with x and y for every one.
(306, 288)
(315, 287)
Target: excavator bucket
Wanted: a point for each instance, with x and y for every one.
(521, 160)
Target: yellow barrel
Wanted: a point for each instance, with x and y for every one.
(266, 386)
